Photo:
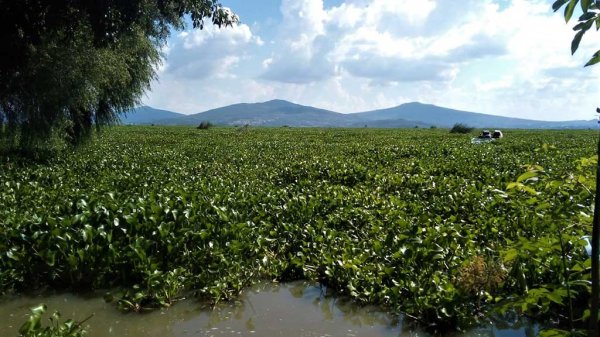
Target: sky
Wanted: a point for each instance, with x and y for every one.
(502, 57)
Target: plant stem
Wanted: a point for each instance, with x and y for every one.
(566, 276)
(594, 328)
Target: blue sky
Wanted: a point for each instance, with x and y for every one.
(502, 57)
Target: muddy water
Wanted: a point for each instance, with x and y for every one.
(294, 309)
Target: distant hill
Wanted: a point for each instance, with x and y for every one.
(271, 113)
(147, 115)
(280, 113)
(444, 117)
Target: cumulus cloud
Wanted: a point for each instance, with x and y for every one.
(390, 40)
(508, 57)
(390, 69)
(478, 46)
(302, 56)
(569, 72)
(209, 52)
(301, 64)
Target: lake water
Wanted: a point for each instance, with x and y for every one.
(291, 309)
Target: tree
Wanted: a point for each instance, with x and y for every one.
(69, 65)
(589, 18)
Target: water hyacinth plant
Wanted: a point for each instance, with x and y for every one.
(421, 222)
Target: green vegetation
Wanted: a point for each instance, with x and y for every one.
(590, 17)
(204, 125)
(587, 20)
(33, 327)
(419, 221)
(68, 66)
(461, 128)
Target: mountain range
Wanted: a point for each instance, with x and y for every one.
(284, 113)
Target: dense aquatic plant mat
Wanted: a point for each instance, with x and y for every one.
(420, 221)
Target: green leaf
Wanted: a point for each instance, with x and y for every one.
(579, 26)
(529, 190)
(585, 5)
(569, 9)
(40, 309)
(553, 333)
(558, 4)
(510, 186)
(526, 175)
(584, 26)
(586, 314)
(511, 255)
(576, 41)
(33, 322)
(555, 297)
(595, 59)
(587, 16)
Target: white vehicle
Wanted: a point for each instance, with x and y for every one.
(486, 136)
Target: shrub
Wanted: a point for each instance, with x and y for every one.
(205, 125)
(461, 128)
(480, 275)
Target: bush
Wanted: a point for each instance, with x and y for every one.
(205, 125)
(461, 128)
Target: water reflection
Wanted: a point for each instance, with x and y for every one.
(513, 327)
(293, 309)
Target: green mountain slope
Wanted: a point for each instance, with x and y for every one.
(444, 117)
(148, 115)
(280, 113)
(271, 113)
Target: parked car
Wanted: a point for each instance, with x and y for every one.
(497, 134)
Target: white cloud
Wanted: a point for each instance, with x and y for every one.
(209, 52)
(391, 69)
(508, 57)
(378, 39)
(388, 42)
